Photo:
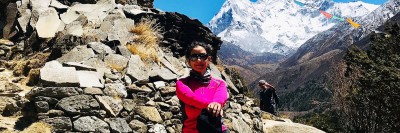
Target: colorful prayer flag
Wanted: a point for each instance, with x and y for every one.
(354, 24)
(338, 18)
(327, 15)
(299, 3)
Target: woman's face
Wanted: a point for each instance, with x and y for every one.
(199, 59)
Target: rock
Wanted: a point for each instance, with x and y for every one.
(168, 65)
(215, 72)
(52, 113)
(170, 130)
(93, 91)
(59, 124)
(94, 35)
(76, 105)
(89, 79)
(4, 101)
(9, 30)
(157, 73)
(124, 51)
(163, 105)
(74, 29)
(55, 92)
(235, 106)
(79, 66)
(77, 54)
(6, 87)
(118, 125)
(145, 3)
(166, 115)
(24, 19)
(54, 75)
(167, 90)
(240, 126)
(150, 103)
(159, 84)
(127, 2)
(115, 90)
(138, 126)
(128, 104)
(230, 85)
(174, 101)
(100, 66)
(42, 106)
(39, 5)
(175, 109)
(48, 23)
(58, 5)
(95, 13)
(111, 105)
(99, 47)
(143, 88)
(116, 61)
(246, 118)
(14, 107)
(271, 126)
(132, 9)
(91, 124)
(157, 128)
(69, 16)
(137, 70)
(120, 30)
(149, 113)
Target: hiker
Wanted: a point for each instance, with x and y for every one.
(201, 96)
(268, 98)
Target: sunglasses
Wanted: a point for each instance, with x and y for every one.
(195, 57)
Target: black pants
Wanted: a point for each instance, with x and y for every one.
(226, 131)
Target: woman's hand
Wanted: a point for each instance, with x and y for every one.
(214, 108)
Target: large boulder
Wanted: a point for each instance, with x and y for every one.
(53, 74)
(271, 126)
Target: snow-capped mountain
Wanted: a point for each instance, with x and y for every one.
(279, 26)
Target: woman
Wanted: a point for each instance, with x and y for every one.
(199, 90)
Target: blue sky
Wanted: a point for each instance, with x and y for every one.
(204, 10)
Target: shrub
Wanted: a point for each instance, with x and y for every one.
(145, 42)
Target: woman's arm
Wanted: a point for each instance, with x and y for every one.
(221, 94)
(184, 93)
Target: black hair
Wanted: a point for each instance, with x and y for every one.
(195, 44)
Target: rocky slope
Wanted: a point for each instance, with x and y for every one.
(82, 76)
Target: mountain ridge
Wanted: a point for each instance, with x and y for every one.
(263, 25)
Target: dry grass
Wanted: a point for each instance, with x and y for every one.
(23, 66)
(38, 127)
(6, 131)
(145, 42)
(116, 67)
(33, 77)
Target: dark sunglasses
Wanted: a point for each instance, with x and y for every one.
(195, 57)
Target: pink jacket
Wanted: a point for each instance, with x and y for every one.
(195, 96)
